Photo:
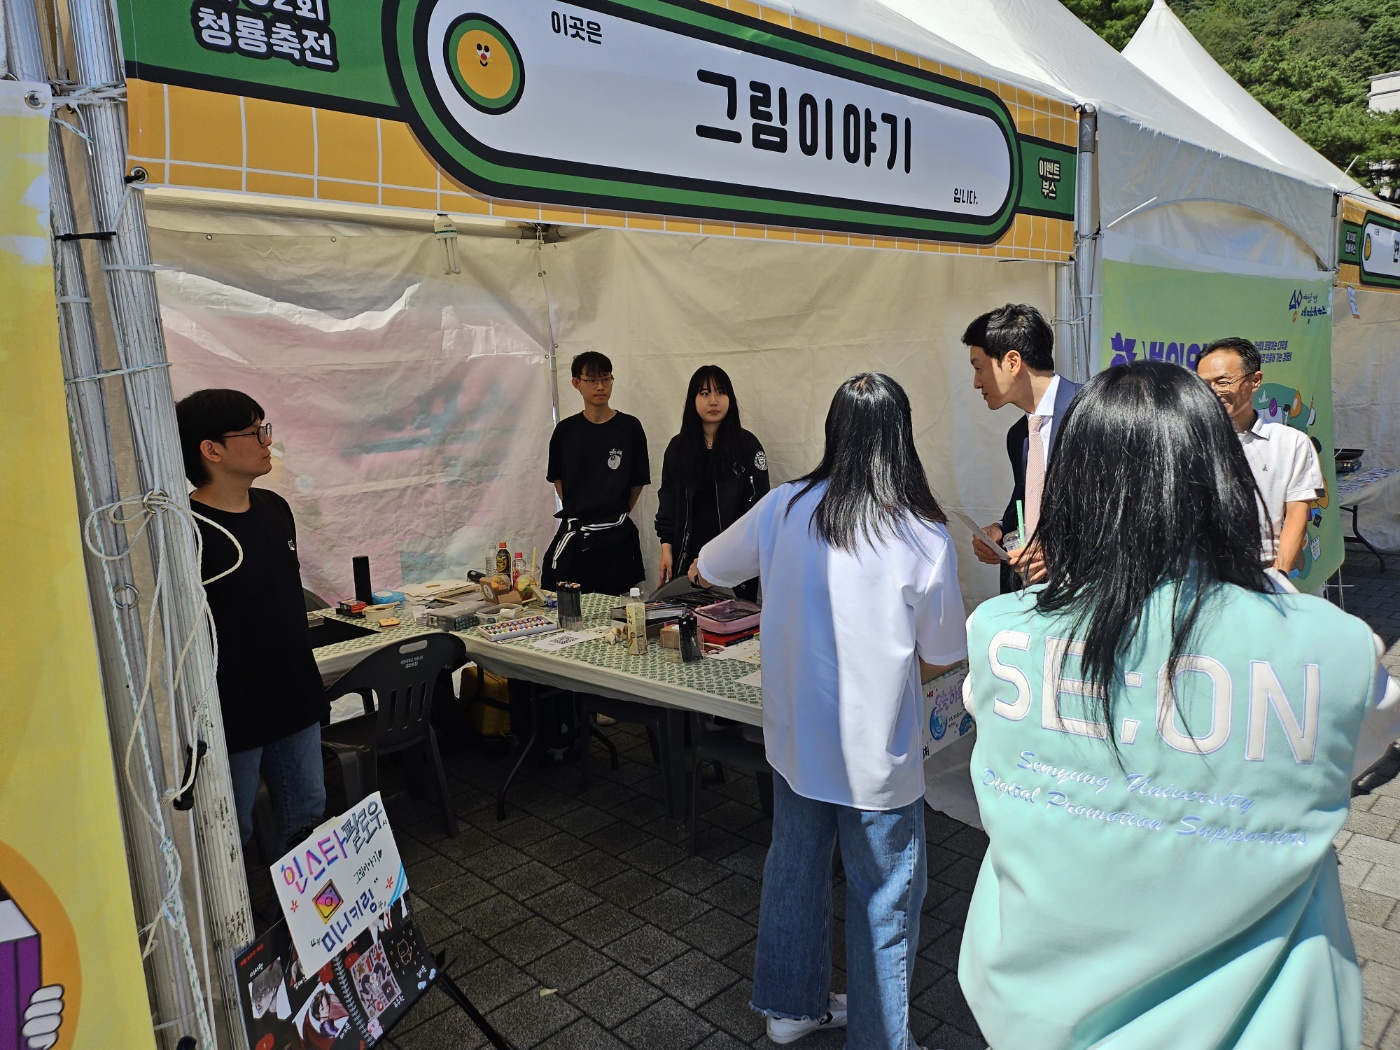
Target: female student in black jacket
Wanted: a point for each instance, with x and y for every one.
(713, 471)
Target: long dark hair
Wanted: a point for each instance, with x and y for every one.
(874, 477)
(697, 463)
(1148, 485)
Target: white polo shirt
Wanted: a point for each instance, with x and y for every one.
(843, 706)
(1286, 468)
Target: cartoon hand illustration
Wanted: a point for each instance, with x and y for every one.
(42, 1018)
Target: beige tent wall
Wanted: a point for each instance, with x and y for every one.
(789, 322)
(1366, 397)
(412, 408)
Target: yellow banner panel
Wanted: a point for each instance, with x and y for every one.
(67, 929)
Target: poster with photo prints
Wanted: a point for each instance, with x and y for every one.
(349, 1003)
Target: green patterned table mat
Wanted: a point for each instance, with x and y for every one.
(380, 637)
(718, 678)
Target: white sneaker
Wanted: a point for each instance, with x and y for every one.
(785, 1030)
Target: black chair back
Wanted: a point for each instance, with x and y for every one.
(403, 677)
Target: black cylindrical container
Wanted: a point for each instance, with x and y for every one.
(570, 597)
(690, 638)
(364, 592)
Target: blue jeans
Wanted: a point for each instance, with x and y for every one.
(291, 768)
(886, 879)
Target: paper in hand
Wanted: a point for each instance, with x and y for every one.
(977, 531)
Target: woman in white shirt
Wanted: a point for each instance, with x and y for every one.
(860, 589)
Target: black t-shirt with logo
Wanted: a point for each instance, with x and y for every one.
(598, 464)
(269, 687)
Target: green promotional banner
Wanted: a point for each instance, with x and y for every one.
(1150, 313)
(663, 107)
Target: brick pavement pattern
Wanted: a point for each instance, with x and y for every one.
(583, 922)
(1369, 845)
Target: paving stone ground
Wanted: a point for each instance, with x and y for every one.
(583, 921)
(1369, 845)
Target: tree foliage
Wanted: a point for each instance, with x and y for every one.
(1308, 61)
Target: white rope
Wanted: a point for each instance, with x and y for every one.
(114, 373)
(154, 510)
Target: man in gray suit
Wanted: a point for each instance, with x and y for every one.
(1012, 351)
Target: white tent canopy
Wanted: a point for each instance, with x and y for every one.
(1153, 148)
(1164, 49)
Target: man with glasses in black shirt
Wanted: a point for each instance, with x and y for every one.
(598, 464)
(269, 688)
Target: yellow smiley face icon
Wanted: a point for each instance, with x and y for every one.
(485, 64)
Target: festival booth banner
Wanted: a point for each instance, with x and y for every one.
(1365, 368)
(1153, 313)
(678, 115)
(70, 970)
(1368, 246)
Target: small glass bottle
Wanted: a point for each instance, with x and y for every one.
(636, 624)
(503, 559)
(518, 568)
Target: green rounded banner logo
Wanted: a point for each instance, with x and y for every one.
(484, 63)
(666, 107)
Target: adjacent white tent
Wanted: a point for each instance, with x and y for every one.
(1164, 49)
(1154, 150)
(1365, 366)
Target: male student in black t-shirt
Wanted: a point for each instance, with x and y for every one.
(598, 464)
(269, 688)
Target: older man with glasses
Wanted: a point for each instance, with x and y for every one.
(269, 688)
(1283, 459)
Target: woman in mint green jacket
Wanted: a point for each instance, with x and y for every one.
(1165, 743)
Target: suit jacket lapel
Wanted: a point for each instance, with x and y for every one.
(1064, 394)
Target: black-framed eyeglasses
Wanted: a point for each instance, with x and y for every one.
(595, 380)
(262, 433)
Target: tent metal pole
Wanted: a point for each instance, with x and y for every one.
(177, 986)
(174, 980)
(551, 351)
(1086, 244)
(118, 209)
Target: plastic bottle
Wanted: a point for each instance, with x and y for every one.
(636, 624)
(518, 568)
(503, 559)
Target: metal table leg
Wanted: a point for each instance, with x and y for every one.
(1356, 537)
(673, 763)
(534, 736)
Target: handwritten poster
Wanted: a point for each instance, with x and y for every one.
(334, 884)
